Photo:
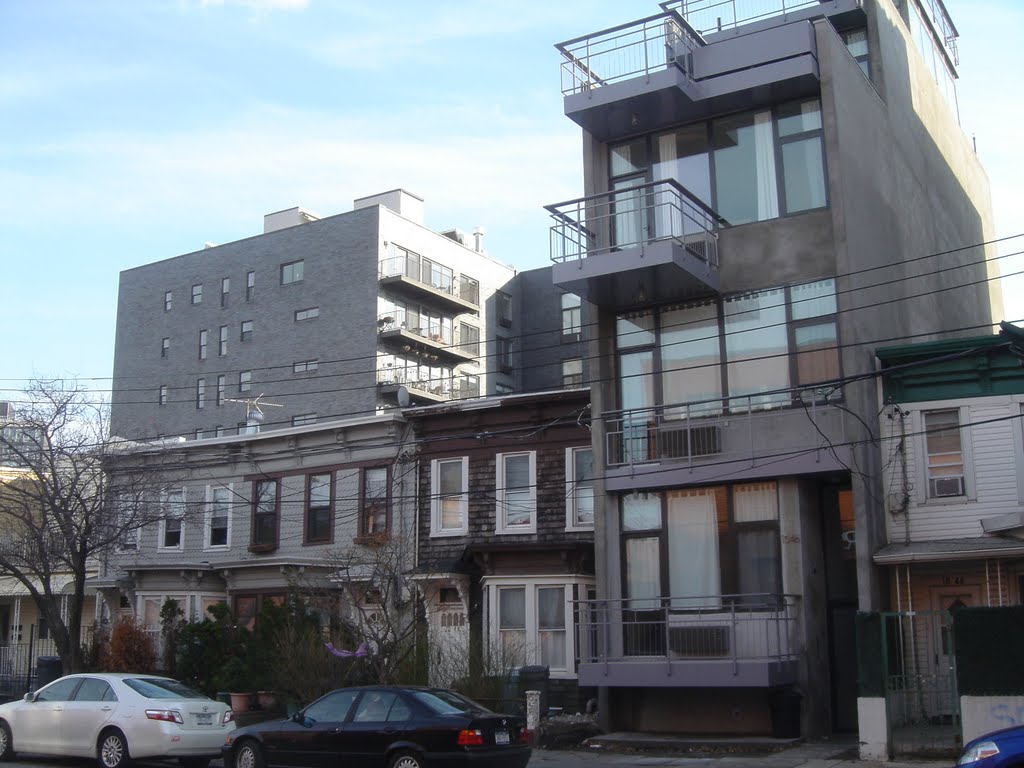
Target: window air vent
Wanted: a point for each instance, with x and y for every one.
(939, 487)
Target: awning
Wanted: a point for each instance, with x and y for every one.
(981, 548)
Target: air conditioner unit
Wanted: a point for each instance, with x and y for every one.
(945, 486)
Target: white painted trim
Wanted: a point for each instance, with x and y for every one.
(208, 514)
(499, 494)
(921, 455)
(435, 498)
(162, 528)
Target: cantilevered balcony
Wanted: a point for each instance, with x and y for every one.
(764, 435)
(408, 332)
(636, 245)
(421, 390)
(424, 281)
(697, 59)
(708, 641)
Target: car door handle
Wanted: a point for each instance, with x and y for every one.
(105, 709)
(58, 709)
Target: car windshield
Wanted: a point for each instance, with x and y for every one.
(161, 688)
(448, 703)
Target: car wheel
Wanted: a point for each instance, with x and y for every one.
(249, 754)
(195, 762)
(113, 750)
(6, 743)
(406, 760)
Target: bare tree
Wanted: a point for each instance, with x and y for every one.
(58, 511)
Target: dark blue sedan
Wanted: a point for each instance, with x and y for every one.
(384, 727)
(1000, 749)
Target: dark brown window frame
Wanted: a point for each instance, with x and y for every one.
(366, 535)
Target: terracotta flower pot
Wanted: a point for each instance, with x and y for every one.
(241, 702)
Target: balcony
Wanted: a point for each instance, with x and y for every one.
(710, 641)
(411, 333)
(761, 435)
(676, 68)
(643, 244)
(427, 283)
(421, 390)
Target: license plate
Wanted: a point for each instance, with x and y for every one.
(204, 718)
(501, 737)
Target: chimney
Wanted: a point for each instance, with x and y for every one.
(478, 239)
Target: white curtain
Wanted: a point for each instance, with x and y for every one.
(642, 573)
(668, 220)
(695, 578)
(764, 148)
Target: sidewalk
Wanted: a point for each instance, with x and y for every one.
(837, 753)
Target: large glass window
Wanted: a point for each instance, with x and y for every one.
(803, 162)
(744, 163)
(757, 349)
(695, 579)
(512, 625)
(691, 356)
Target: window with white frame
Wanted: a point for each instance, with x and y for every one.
(218, 517)
(516, 492)
(449, 496)
(531, 622)
(171, 533)
(945, 456)
(579, 488)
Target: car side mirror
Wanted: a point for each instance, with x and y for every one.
(30, 696)
(298, 717)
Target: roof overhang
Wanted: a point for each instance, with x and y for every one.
(986, 548)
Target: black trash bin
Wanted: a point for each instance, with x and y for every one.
(48, 669)
(535, 678)
(785, 706)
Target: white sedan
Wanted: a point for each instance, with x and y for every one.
(116, 717)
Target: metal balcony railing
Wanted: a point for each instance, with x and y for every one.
(417, 325)
(706, 16)
(432, 275)
(636, 49)
(632, 216)
(741, 627)
(729, 429)
(438, 386)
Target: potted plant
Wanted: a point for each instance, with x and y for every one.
(236, 678)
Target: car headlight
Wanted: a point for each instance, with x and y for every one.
(979, 751)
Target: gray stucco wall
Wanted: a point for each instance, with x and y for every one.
(543, 348)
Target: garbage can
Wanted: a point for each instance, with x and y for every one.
(48, 669)
(535, 678)
(785, 708)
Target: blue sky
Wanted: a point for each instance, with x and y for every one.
(136, 130)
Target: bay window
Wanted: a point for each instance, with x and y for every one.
(531, 620)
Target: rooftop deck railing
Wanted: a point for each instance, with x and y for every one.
(638, 48)
(741, 627)
(728, 429)
(633, 216)
(706, 16)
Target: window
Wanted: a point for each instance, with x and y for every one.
(572, 372)
(319, 508)
(291, 272)
(244, 381)
(803, 157)
(250, 285)
(469, 339)
(165, 345)
(503, 389)
(168, 297)
(163, 394)
(579, 488)
(223, 349)
(264, 514)
(332, 708)
(721, 543)
(303, 419)
(449, 496)
(503, 303)
(170, 525)
(310, 313)
(856, 41)
(246, 330)
(503, 353)
(225, 288)
(197, 294)
(218, 517)
(202, 344)
(512, 626)
(532, 622)
(375, 505)
(305, 366)
(515, 492)
(222, 385)
(201, 393)
(943, 445)
(756, 346)
(571, 317)
(814, 338)
(469, 289)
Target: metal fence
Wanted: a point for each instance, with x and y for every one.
(19, 662)
(715, 15)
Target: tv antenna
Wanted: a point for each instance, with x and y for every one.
(253, 411)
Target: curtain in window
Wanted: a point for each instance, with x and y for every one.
(637, 386)
(551, 626)
(764, 149)
(757, 349)
(755, 502)
(695, 577)
(691, 360)
(512, 625)
(450, 489)
(628, 227)
(643, 578)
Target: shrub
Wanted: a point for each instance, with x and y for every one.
(130, 649)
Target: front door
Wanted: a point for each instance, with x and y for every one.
(946, 600)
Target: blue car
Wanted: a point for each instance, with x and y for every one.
(999, 749)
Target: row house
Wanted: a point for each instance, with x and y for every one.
(757, 178)
(505, 535)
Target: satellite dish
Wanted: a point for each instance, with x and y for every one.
(403, 396)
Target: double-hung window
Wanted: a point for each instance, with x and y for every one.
(319, 508)
(579, 488)
(945, 454)
(171, 534)
(375, 515)
(223, 348)
(200, 393)
(571, 317)
(531, 623)
(245, 333)
(225, 288)
(197, 293)
(449, 496)
(264, 514)
(516, 492)
(250, 285)
(218, 517)
(203, 336)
